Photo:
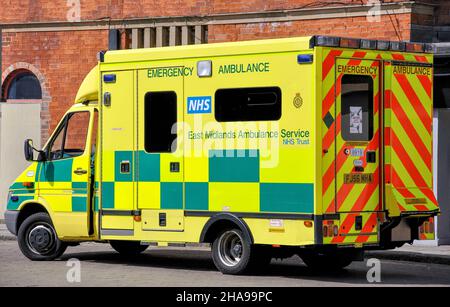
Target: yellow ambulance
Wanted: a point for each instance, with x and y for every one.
(317, 146)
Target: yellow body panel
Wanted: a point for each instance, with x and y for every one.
(233, 197)
(117, 222)
(280, 174)
(151, 220)
(291, 232)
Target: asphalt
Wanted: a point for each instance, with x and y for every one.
(95, 264)
(424, 254)
(412, 253)
(5, 235)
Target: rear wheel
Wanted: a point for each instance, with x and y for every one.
(231, 252)
(38, 240)
(128, 248)
(327, 261)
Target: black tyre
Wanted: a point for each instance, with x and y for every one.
(231, 252)
(38, 240)
(128, 248)
(330, 261)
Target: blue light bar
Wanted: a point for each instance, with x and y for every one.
(325, 41)
(397, 46)
(109, 78)
(368, 44)
(305, 58)
(383, 45)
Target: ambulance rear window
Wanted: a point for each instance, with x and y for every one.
(357, 108)
(248, 104)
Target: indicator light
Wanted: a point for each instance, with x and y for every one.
(109, 78)
(350, 43)
(305, 58)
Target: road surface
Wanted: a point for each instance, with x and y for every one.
(101, 266)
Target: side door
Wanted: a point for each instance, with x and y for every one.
(118, 144)
(358, 136)
(65, 178)
(160, 162)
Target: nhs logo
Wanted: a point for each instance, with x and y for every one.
(200, 104)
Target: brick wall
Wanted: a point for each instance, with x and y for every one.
(443, 13)
(63, 58)
(53, 10)
(389, 28)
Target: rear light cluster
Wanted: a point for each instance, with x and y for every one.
(355, 43)
(427, 227)
(330, 229)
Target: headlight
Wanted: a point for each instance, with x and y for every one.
(9, 196)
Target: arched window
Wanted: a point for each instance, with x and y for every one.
(23, 85)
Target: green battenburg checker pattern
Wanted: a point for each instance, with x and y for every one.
(171, 195)
(197, 194)
(55, 171)
(79, 196)
(224, 166)
(234, 166)
(14, 205)
(286, 197)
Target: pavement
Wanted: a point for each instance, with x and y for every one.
(5, 235)
(414, 253)
(96, 264)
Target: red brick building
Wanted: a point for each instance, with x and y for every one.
(48, 46)
(57, 40)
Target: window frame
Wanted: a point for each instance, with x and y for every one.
(145, 123)
(63, 125)
(370, 110)
(249, 88)
(13, 81)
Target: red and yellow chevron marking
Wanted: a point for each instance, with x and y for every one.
(408, 139)
(407, 144)
(348, 234)
(331, 89)
(426, 231)
(369, 227)
(359, 197)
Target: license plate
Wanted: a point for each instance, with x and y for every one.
(358, 178)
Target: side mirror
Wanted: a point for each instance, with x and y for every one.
(29, 150)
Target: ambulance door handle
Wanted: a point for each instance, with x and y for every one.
(80, 171)
(174, 167)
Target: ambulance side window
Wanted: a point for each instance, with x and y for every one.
(160, 112)
(70, 139)
(357, 108)
(248, 104)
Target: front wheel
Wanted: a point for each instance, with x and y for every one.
(128, 248)
(38, 240)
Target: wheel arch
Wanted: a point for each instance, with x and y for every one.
(29, 208)
(223, 221)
